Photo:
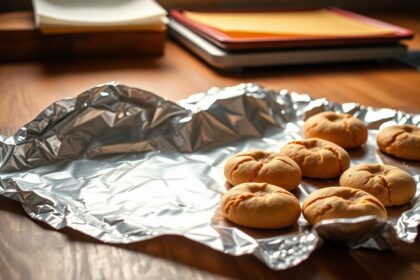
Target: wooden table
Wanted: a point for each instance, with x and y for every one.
(32, 250)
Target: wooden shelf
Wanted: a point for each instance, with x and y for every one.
(21, 40)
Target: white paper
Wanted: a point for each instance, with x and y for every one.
(98, 12)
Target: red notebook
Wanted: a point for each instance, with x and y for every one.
(246, 30)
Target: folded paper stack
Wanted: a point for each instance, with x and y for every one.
(56, 16)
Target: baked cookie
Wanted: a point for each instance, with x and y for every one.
(317, 158)
(262, 166)
(341, 129)
(340, 202)
(260, 205)
(389, 184)
(402, 141)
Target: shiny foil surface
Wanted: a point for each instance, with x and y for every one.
(123, 165)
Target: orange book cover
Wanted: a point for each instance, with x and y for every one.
(288, 28)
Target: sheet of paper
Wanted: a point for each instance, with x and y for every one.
(321, 22)
(98, 12)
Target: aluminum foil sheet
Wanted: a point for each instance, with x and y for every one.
(123, 165)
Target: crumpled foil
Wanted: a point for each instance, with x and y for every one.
(123, 165)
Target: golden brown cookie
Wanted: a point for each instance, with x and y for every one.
(317, 158)
(260, 205)
(391, 185)
(340, 202)
(262, 166)
(341, 129)
(402, 141)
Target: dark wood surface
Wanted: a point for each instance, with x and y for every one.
(31, 250)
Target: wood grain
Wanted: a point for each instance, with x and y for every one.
(31, 250)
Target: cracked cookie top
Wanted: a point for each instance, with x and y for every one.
(317, 158)
(262, 166)
(402, 141)
(391, 185)
(260, 205)
(341, 129)
(340, 202)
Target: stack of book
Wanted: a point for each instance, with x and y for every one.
(237, 39)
